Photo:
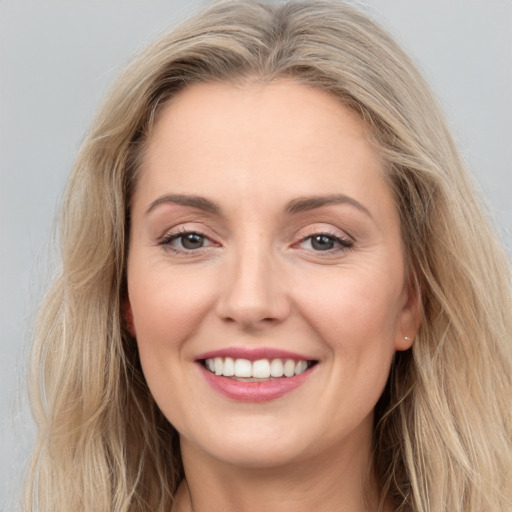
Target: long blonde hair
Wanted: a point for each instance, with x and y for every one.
(443, 427)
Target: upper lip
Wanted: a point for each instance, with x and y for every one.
(254, 354)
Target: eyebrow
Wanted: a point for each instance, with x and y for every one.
(201, 203)
(304, 204)
(299, 205)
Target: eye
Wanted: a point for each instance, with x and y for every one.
(185, 241)
(191, 241)
(325, 242)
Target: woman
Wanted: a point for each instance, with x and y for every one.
(278, 288)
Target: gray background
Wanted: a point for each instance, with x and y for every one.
(57, 59)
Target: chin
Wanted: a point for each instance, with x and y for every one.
(258, 447)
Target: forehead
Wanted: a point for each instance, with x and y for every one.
(261, 140)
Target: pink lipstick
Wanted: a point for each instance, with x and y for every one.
(255, 374)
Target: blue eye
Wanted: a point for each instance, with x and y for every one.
(325, 242)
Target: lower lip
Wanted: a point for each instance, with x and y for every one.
(262, 391)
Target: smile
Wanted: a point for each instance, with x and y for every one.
(255, 375)
(254, 371)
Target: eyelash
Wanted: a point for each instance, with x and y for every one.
(166, 242)
(343, 243)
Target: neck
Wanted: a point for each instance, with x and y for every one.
(338, 483)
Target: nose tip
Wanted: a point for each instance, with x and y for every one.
(250, 316)
(253, 297)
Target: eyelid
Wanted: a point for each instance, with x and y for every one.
(344, 240)
(165, 240)
(328, 230)
(344, 243)
(182, 228)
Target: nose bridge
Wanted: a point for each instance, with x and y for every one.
(252, 294)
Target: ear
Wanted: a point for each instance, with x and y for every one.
(128, 317)
(410, 315)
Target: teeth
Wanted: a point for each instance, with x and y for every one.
(243, 368)
(276, 368)
(289, 368)
(301, 367)
(229, 367)
(218, 365)
(260, 369)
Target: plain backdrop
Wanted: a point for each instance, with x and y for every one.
(57, 59)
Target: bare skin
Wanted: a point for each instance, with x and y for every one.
(262, 219)
(286, 489)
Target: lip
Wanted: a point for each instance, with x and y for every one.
(260, 391)
(254, 354)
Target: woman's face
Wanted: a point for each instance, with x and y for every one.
(264, 241)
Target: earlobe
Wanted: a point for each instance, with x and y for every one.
(404, 343)
(410, 317)
(128, 317)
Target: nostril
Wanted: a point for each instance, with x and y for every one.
(250, 296)
(250, 317)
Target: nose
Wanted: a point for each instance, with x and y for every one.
(253, 293)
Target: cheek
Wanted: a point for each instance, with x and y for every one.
(354, 316)
(166, 305)
(353, 308)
